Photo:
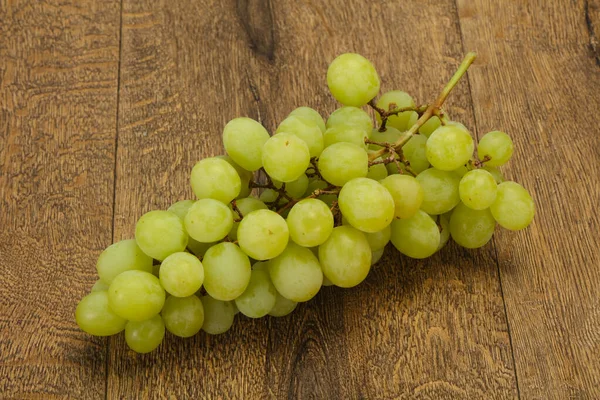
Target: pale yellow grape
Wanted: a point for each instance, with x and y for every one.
(352, 117)
(449, 147)
(183, 316)
(347, 134)
(407, 194)
(136, 295)
(263, 234)
(415, 152)
(430, 126)
(245, 206)
(285, 157)
(398, 99)
(378, 240)
(471, 228)
(342, 162)
(319, 184)
(282, 306)
(215, 178)
(513, 208)
(366, 204)
(181, 274)
(496, 173)
(376, 256)
(345, 257)
(99, 286)
(218, 315)
(311, 114)
(417, 237)
(377, 172)
(208, 220)
(268, 196)
(477, 189)
(119, 257)
(226, 271)
(440, 190)
(259, 297)
(326, 281)
(390, 135)
(260, 266)
(306, 129)
(352, 80)
(296, 273)
(199, 248)
(244, 139)
(245, 176)
(181, 208)
(94, 316)
(294, 189)
(160, 233)
(462, 170)
(496, 145)
(145, 336)
(310, 222)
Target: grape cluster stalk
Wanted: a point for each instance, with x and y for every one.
(314, 204)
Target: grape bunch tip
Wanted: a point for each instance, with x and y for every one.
(315, 204)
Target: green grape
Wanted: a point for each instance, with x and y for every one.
(244, 139)
(366, 204)
(285, 157)
(440, 191)
(471, 228)
(319, 184)
(496, 173)
(119, 257)
(294, 189)
(260, 266)
(430, 126)
(415, 151)
(181, 208)
(326, 281)
(208, 220)
(181, 274)
(218, 315)
(311, 114)
(444, 223)
(351, 117)
(417, 236)
(377, 172)
(376, 256)
(215, 178)
(390, 135)
(345, 257)
(296, 273)
(310, 222)
(477, 189)
(342, 162)
(136, 295)
(99, 286)
(352, 80)
(398, 99)
(378, 240)
(199, 248)
(235, 309)
(406, 192)
(245, 206)
(513, 208)
(94, 316)
(245, 176)
(226, 271)
(456, 124)
(449, 147)
(496, 145)
(259, 297)
(282, 306)
(263, 234)
(145, 336)
(345, 134)
(183, 316)
(305, 129)
(160, 233)
(461, 171)
(269, 196)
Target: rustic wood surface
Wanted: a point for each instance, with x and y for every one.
(106, 105)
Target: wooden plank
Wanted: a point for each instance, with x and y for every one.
(58, 91)
(537, 77)
(415, 329)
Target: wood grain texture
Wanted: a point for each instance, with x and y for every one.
(58, 91)
(542, 88)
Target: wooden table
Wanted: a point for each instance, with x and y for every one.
(106, 105)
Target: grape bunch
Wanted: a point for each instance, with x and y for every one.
(312, 205)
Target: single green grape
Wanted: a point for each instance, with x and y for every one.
(145, 336)
(99, 286)
(377, 172)
(310, 222)
(497, 146)
(244, 139)
(119, 257)
(326, 281)
(366, 204)
(345, 134)
(397, 99)
(319, 184)
(282, 306)
(342, 162)
(462, 170)
(477, 189)
(296, 273)
(160, 233)
(181, 274)
(260, 266)
(259, 297)
(310, 114)
(136, 295)
(305, 129)
(215, 178)
(285, 157)
(226, 271)
(440, 190)
(199, 248)
(218, 315)
(430, 126)
(496, 173)
(245, 207)
(294, 189)
(415, 151)
(351, 117)
(378, 240)
(181, 208)
(263, 234)
(94, 316)
(471, 228)
(352, 80)
(406, 193)
(449, 147)
(417, 237)
(376, 256)
(269, 196)
(208, 220)
(183, 316)
(390, 135)
(345, 257)
(513, 208)
(245, 176)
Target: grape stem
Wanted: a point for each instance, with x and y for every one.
(432, 109)
(393, 111)
(395, 156)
